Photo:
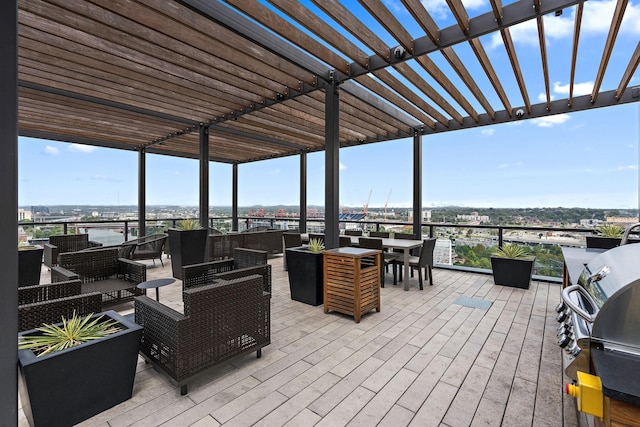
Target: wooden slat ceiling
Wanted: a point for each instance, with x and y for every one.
(148, 74)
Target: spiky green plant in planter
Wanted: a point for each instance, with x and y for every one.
(610, 230)
(73, 331)
(188, 242)
(316, 245)
(512, 265)
(512, 251)
(188, 224)
(73, 370)
(607, 236)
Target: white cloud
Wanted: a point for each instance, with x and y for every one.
(439, 8)
(487, 132)
(627, 168)
(584, 88)
(542, 97)
(596, 19)
(394, 6)
(342, 166)
(547, 122)
(79, 148)
(52, 151)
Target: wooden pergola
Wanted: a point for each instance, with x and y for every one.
(238, 81)
(145, 75)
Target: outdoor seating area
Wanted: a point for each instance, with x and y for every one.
(427, 358)
(101, 270)
(66, 243)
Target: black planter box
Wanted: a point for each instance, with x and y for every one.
(29, 266)
(600, 242)
(188, 247)
(69, 386)
(305, 275)
(512, 272)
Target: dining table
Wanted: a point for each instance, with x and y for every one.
(389, 243)
(404, 244)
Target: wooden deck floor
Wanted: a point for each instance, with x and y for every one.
(429, 358)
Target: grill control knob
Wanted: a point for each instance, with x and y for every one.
(563, 340)
(562, 316)
(573, 350)
(564, 329)
(560, 307)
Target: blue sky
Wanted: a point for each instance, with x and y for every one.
(586, 159)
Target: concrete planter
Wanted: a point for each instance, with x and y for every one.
(187, 247)
(512, 272)
(305, 275)
(69, 386)
(29, 266)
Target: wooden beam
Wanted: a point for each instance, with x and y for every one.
(628, 73)
(616, 20)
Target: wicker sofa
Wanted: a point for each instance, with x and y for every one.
(245, 262)
(65, 243)
(221, 320)
(100, 270)
(221, 245)
(47, 303)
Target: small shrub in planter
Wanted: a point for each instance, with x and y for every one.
(512, 266)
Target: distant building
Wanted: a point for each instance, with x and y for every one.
(24, 215)
(590, 223)
(40, 210)
(474, 217)
(622, 220)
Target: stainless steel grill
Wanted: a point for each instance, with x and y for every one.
(602, 310)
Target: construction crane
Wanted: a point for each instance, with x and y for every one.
(386, 203)
(365, 208)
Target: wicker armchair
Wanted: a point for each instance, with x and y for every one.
(221, 320)
(100, 270)
(47, 303)
(65, 243)
(245, 262)
(148, 247)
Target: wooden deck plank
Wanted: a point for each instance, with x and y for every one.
(423, 360)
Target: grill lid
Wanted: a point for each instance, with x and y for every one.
(609, 287)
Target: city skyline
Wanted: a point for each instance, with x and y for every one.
(583, 159)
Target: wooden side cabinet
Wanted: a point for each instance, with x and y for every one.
(351, 281)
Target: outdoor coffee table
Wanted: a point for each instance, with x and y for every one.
(156, 283)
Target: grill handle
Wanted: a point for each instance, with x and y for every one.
(575, 307)
(625, 236)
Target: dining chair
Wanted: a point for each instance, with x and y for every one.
(407, 236)
(345, 241)
(383, 234)
(387, 258)
(353, 232)
(424, 261)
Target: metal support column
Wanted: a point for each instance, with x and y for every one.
(303, 192)
(332, 167)
(234, 198)
(204, 176)
(8, 217)
(142, 193)
(417, 183)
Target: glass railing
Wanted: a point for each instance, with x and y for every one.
(459, 246)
